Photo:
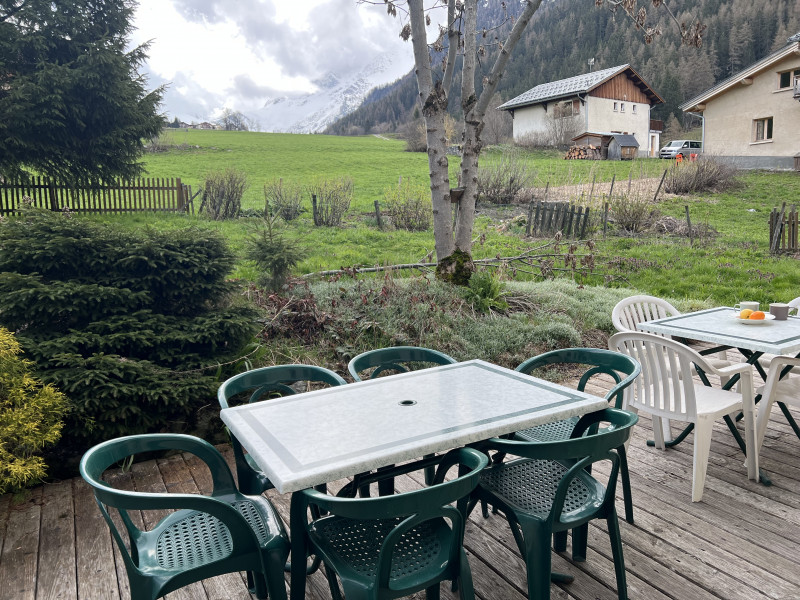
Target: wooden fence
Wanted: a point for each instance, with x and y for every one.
(546, 218)
(145, 194)
(783, 230)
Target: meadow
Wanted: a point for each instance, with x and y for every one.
(730, 264)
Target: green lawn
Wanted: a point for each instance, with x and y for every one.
(732, 265)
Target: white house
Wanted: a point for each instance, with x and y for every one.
(611, 101)
(753, 117)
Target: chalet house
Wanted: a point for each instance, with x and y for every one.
(753, 118)
(608, 102)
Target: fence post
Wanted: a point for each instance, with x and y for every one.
(585, 222)
(605, 217)
(689, 224)
(181, 201)
(536, 225)
(776, 236)
(314, 208)
(53, 198)
(530, 216)
(611, 189)
(659, 185)
(378, 214)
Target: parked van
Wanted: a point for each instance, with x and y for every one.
(683, 147)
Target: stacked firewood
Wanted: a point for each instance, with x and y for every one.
(583, 153)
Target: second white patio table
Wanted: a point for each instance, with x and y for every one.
(325, 435)
(720, 326)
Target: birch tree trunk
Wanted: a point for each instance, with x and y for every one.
(454, 245)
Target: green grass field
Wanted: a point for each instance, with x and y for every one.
(733, 265)
(373, 163)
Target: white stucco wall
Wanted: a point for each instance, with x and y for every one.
(729, 118)
(597, 115)
(603, 118)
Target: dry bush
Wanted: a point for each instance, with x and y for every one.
(499, 182)
(285, 199)
(333, 200)
(706, 174)
(409, 206)
(414, 135)
(222, 194)
(633, 213)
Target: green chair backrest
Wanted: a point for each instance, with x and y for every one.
(600, 361)
(414, 507)
(395, 358)
(113, 452)
(588, 444)
(262, 384)
(274, 380)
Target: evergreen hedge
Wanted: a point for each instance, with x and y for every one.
(125, 323)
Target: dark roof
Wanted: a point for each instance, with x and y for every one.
(623, 139)
(580, 84)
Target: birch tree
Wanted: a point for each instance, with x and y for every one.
(454, 213)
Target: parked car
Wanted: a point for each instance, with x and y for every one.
(683, 147)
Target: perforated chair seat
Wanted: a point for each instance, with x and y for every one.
(549, 432)
(188, 539)
(529, 486)
(357, 544)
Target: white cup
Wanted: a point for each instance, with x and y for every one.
(780, 310)
(745, 306)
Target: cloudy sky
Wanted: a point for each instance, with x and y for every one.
(236, 54)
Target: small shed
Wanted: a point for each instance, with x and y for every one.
(613, 146)
(622, 146)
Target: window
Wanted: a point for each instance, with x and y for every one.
(615, 107)
(786, 79)
(621, 107)
(762, 130)
(567, 109)
(633, 109)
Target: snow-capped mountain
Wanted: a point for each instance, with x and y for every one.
(336, 96)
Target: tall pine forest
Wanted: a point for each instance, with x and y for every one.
(565, 34)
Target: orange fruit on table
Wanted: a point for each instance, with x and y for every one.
(745, 314)
(757, 315)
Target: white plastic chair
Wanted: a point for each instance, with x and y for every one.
(784, 391)
(766, 359)
(632, 310)
(667, 390)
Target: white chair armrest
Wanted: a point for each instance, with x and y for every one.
(733, 369)
(778, 363)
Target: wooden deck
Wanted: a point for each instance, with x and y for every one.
(741, 542)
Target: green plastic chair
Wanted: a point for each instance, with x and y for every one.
(393, 546)
(623, 369)
(262, 384)
(550, 490)
(204, 536)
(397, 359)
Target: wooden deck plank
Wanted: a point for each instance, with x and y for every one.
(97, 562)
(18, 563)
(57, 563)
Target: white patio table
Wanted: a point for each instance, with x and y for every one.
(322, 436)
(752, 338)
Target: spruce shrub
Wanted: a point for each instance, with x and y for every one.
(125, 323)
(31, 418)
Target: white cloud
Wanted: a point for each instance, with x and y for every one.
(238, 54)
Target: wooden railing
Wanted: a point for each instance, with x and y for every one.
(783, 230)
(146, 194)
